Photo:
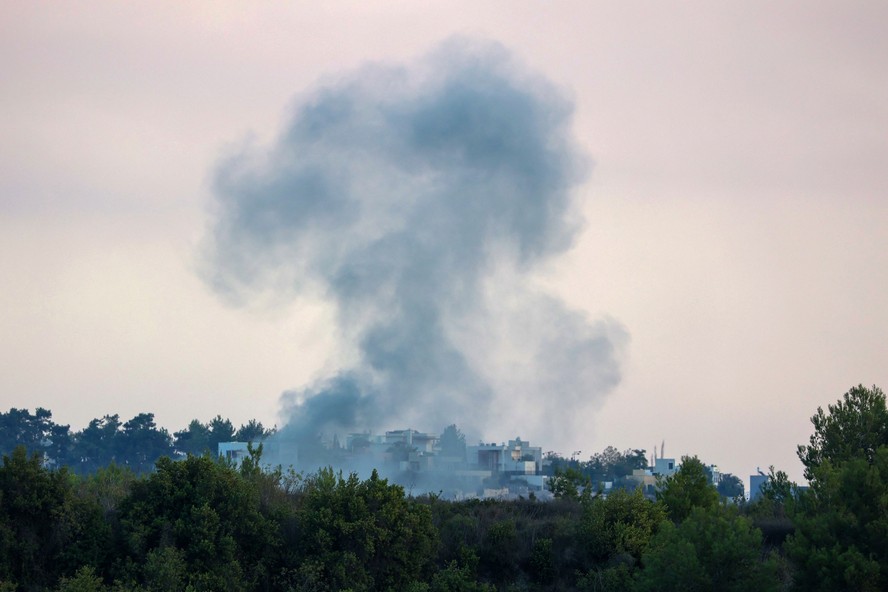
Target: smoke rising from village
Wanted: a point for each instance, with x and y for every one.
(419, 200)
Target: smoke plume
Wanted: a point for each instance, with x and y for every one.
(420, 199)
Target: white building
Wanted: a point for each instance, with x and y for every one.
(665, 467)
(716, 475)
(517, 460)
(756, 482)
(234, 451)
(516, 463)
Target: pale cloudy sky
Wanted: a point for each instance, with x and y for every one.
(735, 217)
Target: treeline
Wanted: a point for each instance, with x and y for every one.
(200, 524)
(616, 468)
(136, 444)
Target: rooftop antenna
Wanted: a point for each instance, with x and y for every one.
(662, 446)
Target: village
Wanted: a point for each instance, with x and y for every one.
(444, 465)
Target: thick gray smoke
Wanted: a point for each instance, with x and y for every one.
(419, 200)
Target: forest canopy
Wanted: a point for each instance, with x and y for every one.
(197, 522)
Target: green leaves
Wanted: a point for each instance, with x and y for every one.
(200, 524)
(569, 483)
(687, 489)
(842, 520)
(623, 523)
(35, 523)
(208, 511)
(854, 428)
(730, 486)
(363, 534)
(453, 443)
(714, 548)
(85, 580)
(842, 526)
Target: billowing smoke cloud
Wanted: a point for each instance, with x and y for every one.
(419, 199)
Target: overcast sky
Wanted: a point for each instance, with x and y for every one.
(735, 216)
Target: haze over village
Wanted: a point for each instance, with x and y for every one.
(558, 227)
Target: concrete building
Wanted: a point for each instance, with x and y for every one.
(645, 479)
(517, 457)
(756, 482)
(715, 474)
(516, 466)
(234, 451)
(517, 461)
(664, 467)
(412, 450)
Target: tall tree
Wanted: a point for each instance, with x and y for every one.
(688, 488)
(33, 520)
(59, 446)
(19, 428)
(208, 512)
(361, 535)
(252, 431)
(194, 440)
(730, 486)
(453, 442)
(842, 520)
(98, 444)
(221, 430)
(855, 427)
(142, 443)
(36, 432)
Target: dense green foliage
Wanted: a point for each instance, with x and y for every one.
(609, 465)
(453, 443)
(854, 429)
(687, 489)
(200, 524)
(202, 516)
(360, 535)
(570, 483)
(713, 548)
(730, 486)
(841, 536)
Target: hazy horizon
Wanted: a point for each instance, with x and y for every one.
(732, 247)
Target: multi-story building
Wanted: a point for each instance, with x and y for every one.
(516, 461)
(756, 482)
(664, 467)
(234, 451)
